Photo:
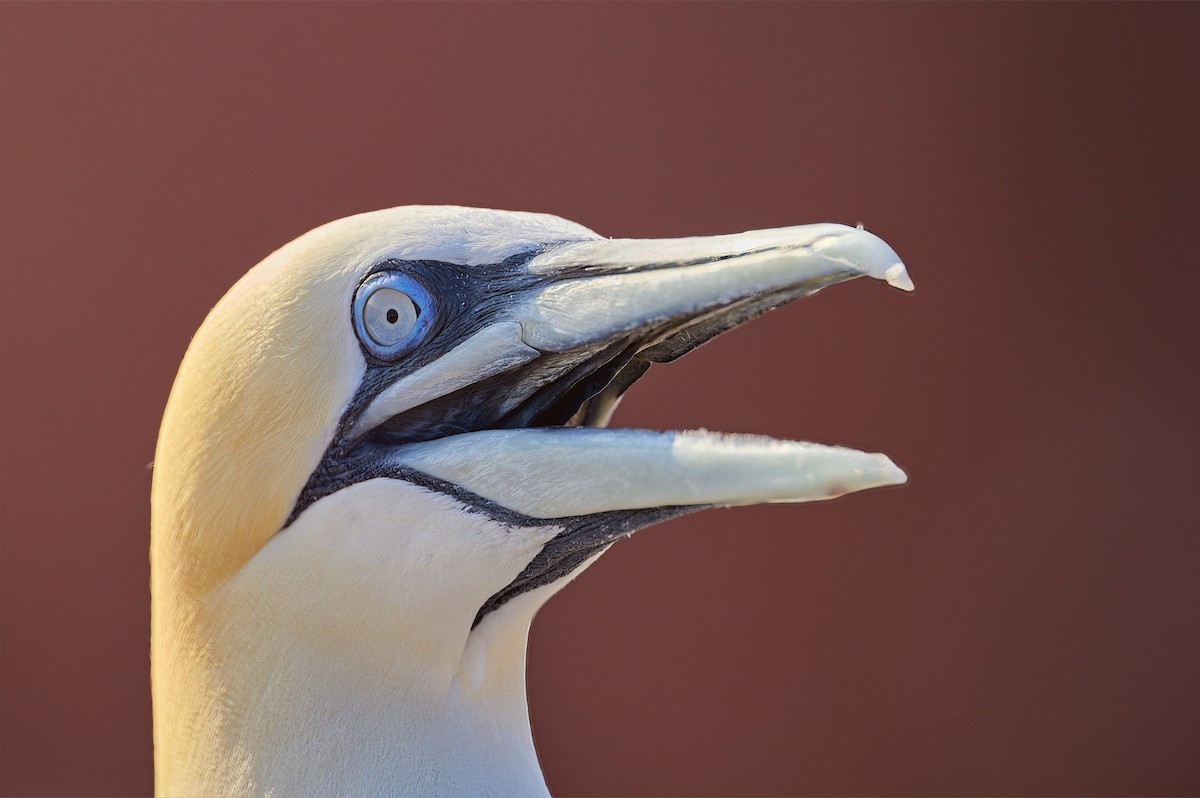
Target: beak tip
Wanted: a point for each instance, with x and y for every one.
(897, 277)
(895, 474)
(867, 255)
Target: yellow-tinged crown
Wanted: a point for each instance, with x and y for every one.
(256, 401)
(270, 371)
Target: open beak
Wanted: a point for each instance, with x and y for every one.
(545, 377)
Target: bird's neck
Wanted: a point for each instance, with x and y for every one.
(257, 714)
(341, 659)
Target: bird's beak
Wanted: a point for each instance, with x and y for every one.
(598, 314)
(634, 285)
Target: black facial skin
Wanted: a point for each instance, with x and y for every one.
(583, 536)
(555, 389)
(466, 299)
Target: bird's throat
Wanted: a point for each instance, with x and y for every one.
(374, 684)
(273, 713)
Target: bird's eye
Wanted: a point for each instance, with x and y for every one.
(389, 316)
(388, 313)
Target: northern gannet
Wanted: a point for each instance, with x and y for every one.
(385, 450)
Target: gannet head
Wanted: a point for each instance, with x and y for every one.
(385, 448)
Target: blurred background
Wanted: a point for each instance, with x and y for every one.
(1023, 617)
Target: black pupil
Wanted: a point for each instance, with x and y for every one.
(392, 316)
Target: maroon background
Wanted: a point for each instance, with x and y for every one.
(1022, 618)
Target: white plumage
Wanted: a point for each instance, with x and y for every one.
(351, 536)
